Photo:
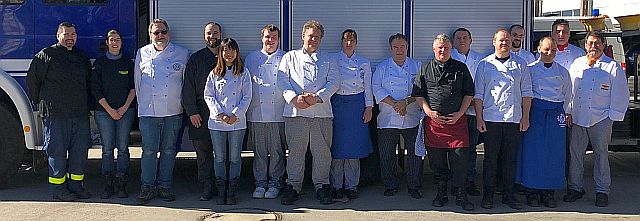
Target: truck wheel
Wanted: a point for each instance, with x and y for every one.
(11, 146)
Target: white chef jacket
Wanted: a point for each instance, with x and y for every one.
(316, 73)
(472, 59)
(599, 91)
(389, 79)
(355, 73)
(525, 55)
(230, 95)
(501, 87)
(567, 56)
(267, 103)
(158, 77)
(551, 84)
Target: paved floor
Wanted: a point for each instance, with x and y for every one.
(28, 199)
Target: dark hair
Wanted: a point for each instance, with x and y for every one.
(398, 36)
(216, 24)
(65, 24)
(515, 26)
(112, 32)
(349, 31)
(461, 29)
(597, 34)
(559, 22)
(270, 27)
(238, 65)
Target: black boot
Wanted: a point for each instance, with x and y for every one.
(77, 187)
(207, 191)
(231, 193)
(107, 192)
(121, 185)
(221, 185)
(441, 196)
(61, 193)
(462, 201)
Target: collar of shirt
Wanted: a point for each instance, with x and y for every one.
(269, 55)
(314, 56)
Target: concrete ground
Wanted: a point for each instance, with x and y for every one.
(28, 199)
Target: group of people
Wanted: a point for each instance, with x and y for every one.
(311, 99)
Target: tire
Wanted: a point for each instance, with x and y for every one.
(11, 146)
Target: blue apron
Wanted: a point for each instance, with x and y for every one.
(351, 138)
(541, 160)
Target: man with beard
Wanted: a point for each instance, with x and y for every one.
(560, 32)
(159, 69)
(195, 77)
(600, 96)
(502, 99)
(57, 80)
(517, 37)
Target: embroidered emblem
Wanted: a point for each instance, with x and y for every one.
(562, 120)
(604, 87)
(123, 72)
(176, 66)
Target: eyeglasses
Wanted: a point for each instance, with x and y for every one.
(164, 32)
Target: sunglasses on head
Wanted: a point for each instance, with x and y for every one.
(164, 32)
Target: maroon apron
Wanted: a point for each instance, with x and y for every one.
(438, 135)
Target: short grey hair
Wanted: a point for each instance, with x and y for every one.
(442, 37)
(159, 21)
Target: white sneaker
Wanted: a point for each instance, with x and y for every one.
(272, 193)
(258, 193)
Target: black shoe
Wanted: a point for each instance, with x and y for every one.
(324, 194)
(231, 192)
(415, 193)
(147, 193)
(289, 195)
(77, 188)
(519, 189)
(602, 200)
(548, 200)
(472, 189)
(511, 201)
(441, 197)
(462, 201)
(500, 190)
(60, 193)
(390, 192)
(351, 194)
(121, 185)
(487, 202)
(221, 186)
(165, 194)
(533, 200)
(572, 196)
(108, 190)
(207, 191)
(338, 193)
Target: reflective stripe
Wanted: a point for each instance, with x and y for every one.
(58, 181)
(76, 177)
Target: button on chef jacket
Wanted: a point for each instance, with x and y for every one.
(551, 84)
(158, 80)
(316, 73)
(599, 91)
(472, 59)
(267, 103)
(501, 87)
(355, 73)
(230, 95)
(389, 79)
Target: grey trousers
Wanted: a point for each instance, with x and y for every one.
(388, 140)
(345, 172)
(317, 134)
(268, 162)
(600, 137)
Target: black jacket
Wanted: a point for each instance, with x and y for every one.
(196, 71)
(59, 79)
(112, 80)
(443, 85)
